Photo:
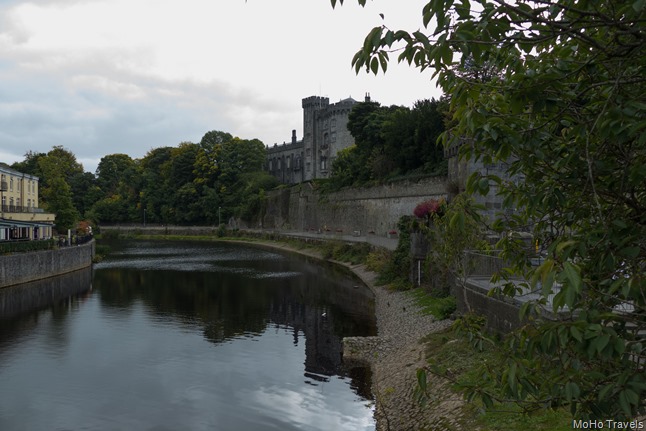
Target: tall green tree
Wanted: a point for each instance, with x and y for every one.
(56, 193)
(557, 89)
(155, 195)
(30, 164)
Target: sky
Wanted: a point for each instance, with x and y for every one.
(102, 77)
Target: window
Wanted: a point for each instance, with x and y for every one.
(278, 164)
(288, 161)
(309, 167)
(11, 184)
(333, 123)
(308, 152)
(333, 137)
(271, 166)
(323, 163)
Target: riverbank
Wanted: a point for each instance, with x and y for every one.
(394, 356)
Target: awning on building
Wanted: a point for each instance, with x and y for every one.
(4, 223)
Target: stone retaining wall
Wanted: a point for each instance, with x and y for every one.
(370, 209)
(502, 313)
(25, 267)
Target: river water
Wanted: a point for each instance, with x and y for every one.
(186, 335)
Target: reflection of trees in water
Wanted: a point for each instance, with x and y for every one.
(227, 304)
(245, 297)
(23, 306)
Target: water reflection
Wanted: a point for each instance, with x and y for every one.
(192, 336)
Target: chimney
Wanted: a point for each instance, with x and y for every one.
(367, 97)
(293, 136)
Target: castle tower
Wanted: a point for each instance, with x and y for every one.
(312, 108)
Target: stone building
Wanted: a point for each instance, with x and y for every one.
(20, 216)
(325, 133)
(460, 170)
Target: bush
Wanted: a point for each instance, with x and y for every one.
(222, 231)
(26, 246)
(377, 260)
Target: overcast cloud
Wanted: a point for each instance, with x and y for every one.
(124, 76)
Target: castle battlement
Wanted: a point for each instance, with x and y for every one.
(325, 133)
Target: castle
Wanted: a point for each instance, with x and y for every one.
(325, 133)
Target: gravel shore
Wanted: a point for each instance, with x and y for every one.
(395, 354)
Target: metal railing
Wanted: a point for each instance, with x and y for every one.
(20, 209)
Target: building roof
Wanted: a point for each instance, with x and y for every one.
(9, 170)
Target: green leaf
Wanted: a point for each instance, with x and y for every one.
(483, 186)
(421, 379)
(374, 65)
(572, 276)
(630, 252)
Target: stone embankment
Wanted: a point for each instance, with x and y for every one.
(25, 267)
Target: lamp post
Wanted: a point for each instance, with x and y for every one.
(144, 217)
(219, 216)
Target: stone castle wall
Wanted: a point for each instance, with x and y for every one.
(371, 209)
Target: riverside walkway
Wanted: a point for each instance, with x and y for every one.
(376, 240)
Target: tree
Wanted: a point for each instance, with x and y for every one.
(558, 90)
(111, 170)
(30, 164)
(57, 193)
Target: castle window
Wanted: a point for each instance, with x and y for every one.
(333, 137)
(323, 163)
(278, 164)
(288, 162)
(309, 167)
(333, 124)
(308, 152)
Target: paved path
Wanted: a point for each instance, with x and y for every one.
(376, 240)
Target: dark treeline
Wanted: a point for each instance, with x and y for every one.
(192, 183)
(222, 176)
(390, 142)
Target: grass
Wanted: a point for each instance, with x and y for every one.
(452, 355)
(441, 308)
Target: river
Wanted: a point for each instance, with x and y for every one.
(186, 335)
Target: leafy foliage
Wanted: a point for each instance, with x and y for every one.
(192, 183)
(396, 270)
(452, 229)
(556, 89)
(391, 141)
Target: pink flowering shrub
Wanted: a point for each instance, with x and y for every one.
(427, 209)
